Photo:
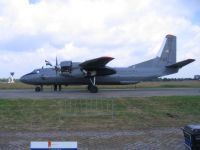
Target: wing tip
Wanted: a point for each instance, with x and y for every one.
(191, 60)
(107, 57)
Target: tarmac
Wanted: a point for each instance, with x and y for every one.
(149, 139)
(102, 94)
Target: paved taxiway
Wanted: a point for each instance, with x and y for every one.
(103, 93)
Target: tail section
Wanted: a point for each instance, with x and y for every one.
(180, 64)
(167, 59)
(168, 55)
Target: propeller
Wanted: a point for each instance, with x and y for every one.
(57, 68)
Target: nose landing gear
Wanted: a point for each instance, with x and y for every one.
(39, 88)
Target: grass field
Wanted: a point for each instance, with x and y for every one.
(102, 114)
(153, 84)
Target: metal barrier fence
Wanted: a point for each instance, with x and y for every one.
(20, 115)
(87, 108)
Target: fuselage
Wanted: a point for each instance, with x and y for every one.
(123, 75)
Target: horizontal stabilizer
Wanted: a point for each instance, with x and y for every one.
(181, 63)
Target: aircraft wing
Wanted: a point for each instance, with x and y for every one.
(181, 63)
(97, 67)
(96, 63)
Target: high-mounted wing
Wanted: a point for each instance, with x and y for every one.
(97, 67)
(96, 63)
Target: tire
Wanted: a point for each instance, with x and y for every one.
(93, 89)
(37, 89)
(55, 88)
(60, 88)
(89, 87)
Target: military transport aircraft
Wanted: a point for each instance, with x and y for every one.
(95, 72)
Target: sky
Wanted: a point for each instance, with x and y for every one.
(131, 31)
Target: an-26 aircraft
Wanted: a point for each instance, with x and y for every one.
(95, 72)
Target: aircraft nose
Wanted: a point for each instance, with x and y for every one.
(23, 79)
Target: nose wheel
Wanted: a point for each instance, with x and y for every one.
(39, 88)
(92, 85)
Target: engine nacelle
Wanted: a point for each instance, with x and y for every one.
(66, 66)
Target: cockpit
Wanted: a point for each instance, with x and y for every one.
(36, 71)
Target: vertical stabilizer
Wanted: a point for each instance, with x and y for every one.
(168, 55)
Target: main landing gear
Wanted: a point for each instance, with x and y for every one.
(92, 85)
(57, 87)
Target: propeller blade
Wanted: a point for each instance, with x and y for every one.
(56, 62)
(56, 67)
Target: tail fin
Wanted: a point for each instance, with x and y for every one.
(167, 59)
(168, 55)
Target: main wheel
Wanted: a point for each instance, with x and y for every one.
(89, 87)
(37, 89)
(60, 87)
(92, 89)
(55, 87)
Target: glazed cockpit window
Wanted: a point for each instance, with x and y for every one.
(36, 71)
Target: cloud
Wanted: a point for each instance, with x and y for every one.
(35, 30)
(34, 1)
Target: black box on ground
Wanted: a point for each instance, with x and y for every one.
(192, 137)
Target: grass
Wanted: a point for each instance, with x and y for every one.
(17, 85)
(153, 84)
(101, 114)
